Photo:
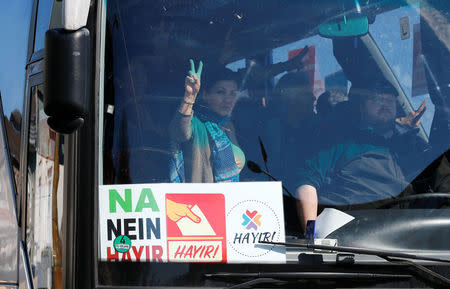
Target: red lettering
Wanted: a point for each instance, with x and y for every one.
(157, 252)
(188, 252)
(196, 250)
(138, 253)
(203, 250)
(178, 252)
(126, 257)
(215, 252)
(147, 253)
(209, 250)
(111, 257)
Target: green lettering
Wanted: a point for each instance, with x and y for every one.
(115, 197)
(146, 200)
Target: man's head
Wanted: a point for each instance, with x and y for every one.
(378, 105)
(296, 92)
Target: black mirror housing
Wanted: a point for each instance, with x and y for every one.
(67, 78)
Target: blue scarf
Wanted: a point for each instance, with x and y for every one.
(223, 162)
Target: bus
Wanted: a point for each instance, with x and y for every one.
(226, 143)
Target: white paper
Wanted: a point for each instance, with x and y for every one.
(329, 221)
(190, 228)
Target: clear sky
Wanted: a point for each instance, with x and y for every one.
(14, 27)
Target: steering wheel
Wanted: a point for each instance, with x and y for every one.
(421, 201)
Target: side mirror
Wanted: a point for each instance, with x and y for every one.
(348, 27)
(67, 78)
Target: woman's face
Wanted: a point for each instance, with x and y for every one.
(221, 97)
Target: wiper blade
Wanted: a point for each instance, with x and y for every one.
(305, 275)
(422, 271)
(365, 251)
(278, 278)
(394, 257)
(257, 281)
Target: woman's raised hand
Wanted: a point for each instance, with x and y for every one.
(191, 88)
(192, 82)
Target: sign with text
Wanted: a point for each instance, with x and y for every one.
(209, 223)
(309, 64)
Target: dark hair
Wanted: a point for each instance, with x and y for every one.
(323, 105)
(376, 87)
(359, 93)
(384, 88)
(215, 74)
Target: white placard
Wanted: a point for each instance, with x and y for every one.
(330, 220)
(192, 222)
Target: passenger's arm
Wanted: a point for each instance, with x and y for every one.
(180, 126)
(264, 73)
(307, 204)
(312, 178)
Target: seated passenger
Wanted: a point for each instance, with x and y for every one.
(373, 159)
(294, 122)
(327, 102)
(205, 147)
(252, 111)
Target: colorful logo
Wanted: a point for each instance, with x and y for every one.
(259, 222)
(252, 220)
(196, 228)
(122, 244)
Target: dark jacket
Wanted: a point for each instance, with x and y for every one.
(363, 167)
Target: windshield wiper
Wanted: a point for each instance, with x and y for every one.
(279, 278)
(365, 251)
(247, 284)
(394, 257)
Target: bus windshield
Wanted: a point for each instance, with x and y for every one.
(231, 123)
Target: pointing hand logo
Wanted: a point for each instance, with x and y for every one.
(251, 220)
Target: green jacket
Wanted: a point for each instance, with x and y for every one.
(364, 167)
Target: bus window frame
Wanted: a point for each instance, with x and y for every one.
(34, 77)
(100, 54)
(12, 202)
(32, 33)
(99, 92)
(4, 135)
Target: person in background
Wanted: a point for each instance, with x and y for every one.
(367, 162)
(327, 102)
(253, 110)
(294, 122)
(204, 145)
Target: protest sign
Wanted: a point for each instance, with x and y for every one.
(192, 222)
